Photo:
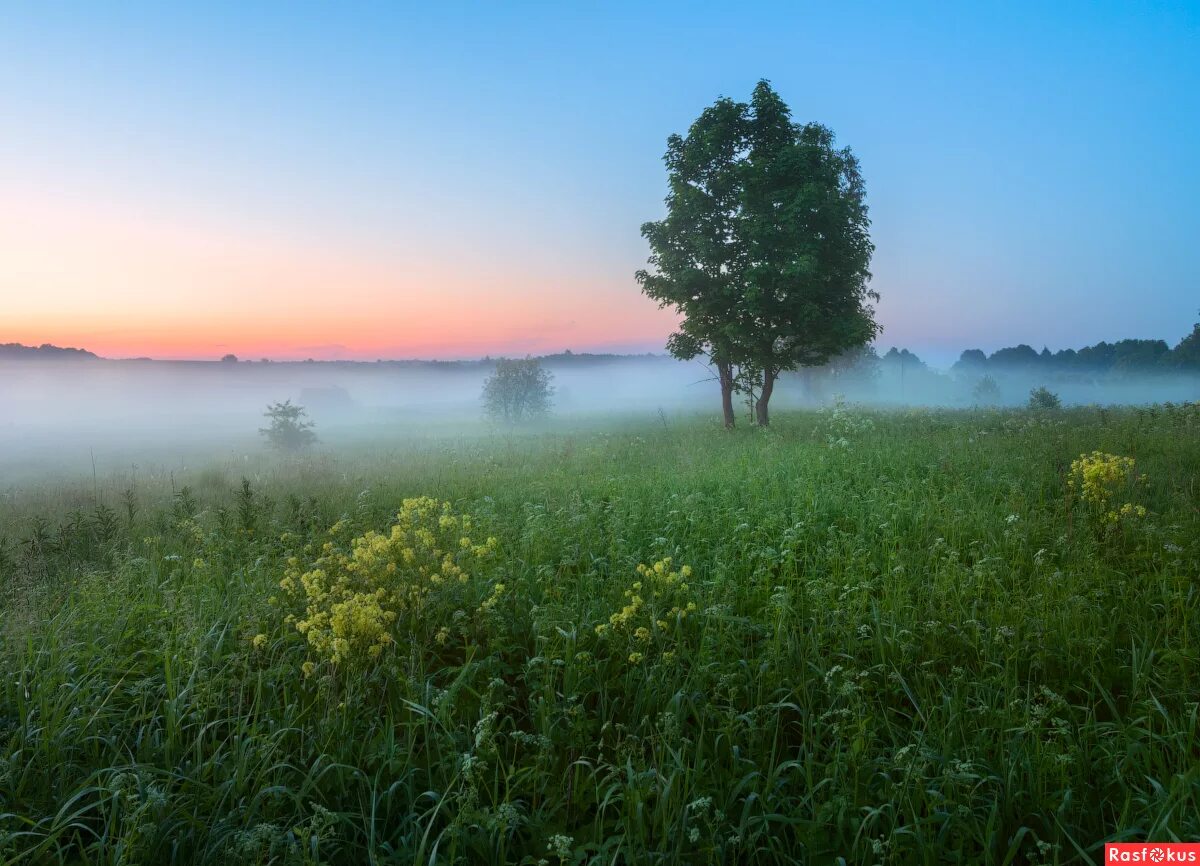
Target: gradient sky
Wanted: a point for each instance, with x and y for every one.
(351, 180)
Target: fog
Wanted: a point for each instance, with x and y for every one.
(80, 416)
(66, 414)
(888, 384)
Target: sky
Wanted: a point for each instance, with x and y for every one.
(357, 180)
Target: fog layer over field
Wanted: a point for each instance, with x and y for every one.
(63, 413)
(66, 415)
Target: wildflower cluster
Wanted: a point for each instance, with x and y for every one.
(355, 596)
(1098, 477)
(654, 606)
(841, 424)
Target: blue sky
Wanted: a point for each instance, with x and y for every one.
(291, 177)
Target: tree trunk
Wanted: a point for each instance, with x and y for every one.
(725, 376)
(762, 417)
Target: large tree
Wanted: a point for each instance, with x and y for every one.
(765, 248)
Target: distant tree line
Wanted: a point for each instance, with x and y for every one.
(1123, 356)
(17, 350)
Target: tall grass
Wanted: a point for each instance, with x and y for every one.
(909, 644)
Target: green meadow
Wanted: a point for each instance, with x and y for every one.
(856, 637)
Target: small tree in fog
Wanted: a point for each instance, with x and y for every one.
(986, 392)
(1043, 399)
(290, 429)
(518, 391)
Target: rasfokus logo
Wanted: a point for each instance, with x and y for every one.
(1152, 852)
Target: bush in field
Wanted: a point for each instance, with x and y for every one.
(986, 392)
(518, 391)
(1043, 399)
(290, 429)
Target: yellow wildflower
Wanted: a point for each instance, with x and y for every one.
(1096, 476)
(356, 593)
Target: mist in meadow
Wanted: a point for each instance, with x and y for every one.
(66, 415)
(62, 414)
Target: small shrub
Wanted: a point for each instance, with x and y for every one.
(1043, 399)
(290, 429)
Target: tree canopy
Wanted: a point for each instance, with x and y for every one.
(765, 248)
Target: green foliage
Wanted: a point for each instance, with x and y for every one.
(765, 248)
(518, 391)
(917, 647)
(289, 428)
(1044, 400)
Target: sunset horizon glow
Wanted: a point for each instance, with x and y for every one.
(450, 183)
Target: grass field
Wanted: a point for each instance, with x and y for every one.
(886, 638)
